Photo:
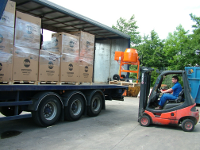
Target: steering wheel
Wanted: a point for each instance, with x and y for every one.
(159, 90)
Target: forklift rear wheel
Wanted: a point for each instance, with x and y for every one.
(145, 121)
(187, 125)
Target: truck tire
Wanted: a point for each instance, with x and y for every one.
(9, 110)
(95, 105)
(48, 112)
(75, 108)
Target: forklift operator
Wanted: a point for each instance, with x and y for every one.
(176, 89)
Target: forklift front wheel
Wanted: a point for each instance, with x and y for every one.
(187, 125)
(145, 121)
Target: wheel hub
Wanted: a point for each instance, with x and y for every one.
(96, 104)
(50, 110)
(188, 125)
(144, 121)
(76, 107)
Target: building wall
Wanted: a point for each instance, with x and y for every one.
(104, 64)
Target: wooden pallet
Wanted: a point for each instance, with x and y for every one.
(74, 83)
(43, 83)
(24, 82)
(18, 82)
(90, 83)
(6, 83)
(47, 82)
(124, 83)
(69, 83)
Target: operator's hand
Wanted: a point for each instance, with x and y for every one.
(162, 91)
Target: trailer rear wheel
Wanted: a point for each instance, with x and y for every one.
(9, 110)
(48, 111)
(75, 108)
(95, 105)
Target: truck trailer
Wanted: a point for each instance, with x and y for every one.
(47, 104)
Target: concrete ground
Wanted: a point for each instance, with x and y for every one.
(116, 128)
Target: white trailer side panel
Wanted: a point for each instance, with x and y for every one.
(104, 64)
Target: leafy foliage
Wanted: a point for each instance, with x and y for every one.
(176, 49)
(195, 41)
(129, 27)
(151, 51)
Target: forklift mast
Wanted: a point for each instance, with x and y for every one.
(144, 88)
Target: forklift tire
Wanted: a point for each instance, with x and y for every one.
(187, 125)
(145, 121)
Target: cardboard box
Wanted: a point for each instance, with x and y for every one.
(86, 43)
(27, 31)
(6, 39)
(25, 64)
(86, 69)
(69, 70)
(65, 43)
(8, 17)
(6, 66)
(46, 45)
(49, 66)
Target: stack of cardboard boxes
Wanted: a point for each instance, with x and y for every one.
(7, 22)
(66, 58)
(86, 54)
(26, 47)
(69, 47)
(49, 62)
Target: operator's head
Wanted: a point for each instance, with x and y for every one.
(174, 79)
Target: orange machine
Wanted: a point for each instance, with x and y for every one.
(129, 57)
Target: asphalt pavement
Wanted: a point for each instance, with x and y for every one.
(116, 128)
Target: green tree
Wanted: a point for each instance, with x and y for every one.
(195, 41)
(176, 49)
(180, 48)
(129, 27)
(151, 51)
(151, 54)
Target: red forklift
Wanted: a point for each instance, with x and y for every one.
(181, 111)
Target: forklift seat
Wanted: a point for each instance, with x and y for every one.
(179, 98)
(176, 102)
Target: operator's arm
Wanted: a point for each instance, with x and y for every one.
(167, 91)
